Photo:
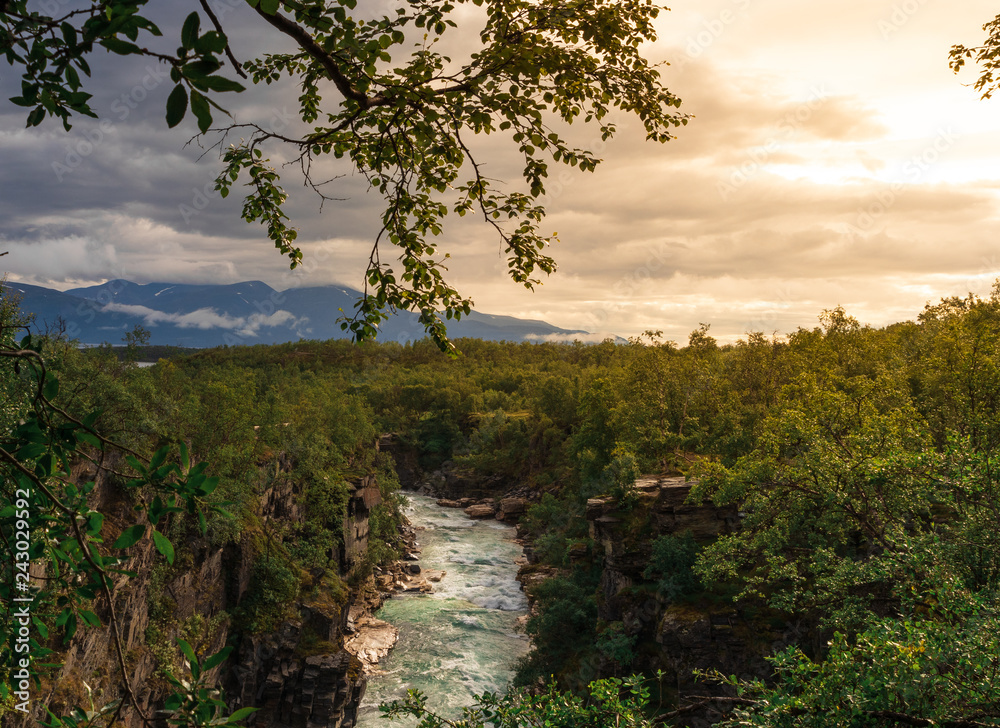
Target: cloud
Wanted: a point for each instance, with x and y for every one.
(571, 338)
(257, 321)
(209, 318)
(791, 190)
(203, 318)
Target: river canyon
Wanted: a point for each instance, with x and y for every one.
(461, 639)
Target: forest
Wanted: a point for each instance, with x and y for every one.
(859, 464)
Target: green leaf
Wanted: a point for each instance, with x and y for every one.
(209, 486)
(216, 659)
(202, 111)
(88, 438)
(121, 47)
(221, 84)
(163, 471)
(212, 42)
(164, 546)
(31, 451)
(270, 7)
(70, 628)
(173, 702)
(185, 457)
(36, 116)
(63, 617)
(159, 457)
(91, 418)
(94, 523)
(240, 715)
(188, 652)
(130, 536)
(155, 510)
(176, 105)
(51, 388)
(136, 464)
(189, 33)
(43, 631)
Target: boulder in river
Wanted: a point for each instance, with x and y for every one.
(372, 641)
(480, 511)
(512, 508)
(417, 584)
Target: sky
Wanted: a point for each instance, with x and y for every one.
(832, 159)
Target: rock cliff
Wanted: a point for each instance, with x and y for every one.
(298, 675)
(677, 637)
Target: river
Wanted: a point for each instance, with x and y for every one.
(459, 640)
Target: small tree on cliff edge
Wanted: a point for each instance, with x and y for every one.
(403, 114)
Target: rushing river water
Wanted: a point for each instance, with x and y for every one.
(459, 640)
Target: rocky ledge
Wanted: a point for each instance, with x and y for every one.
(372, 640)
(503, 509)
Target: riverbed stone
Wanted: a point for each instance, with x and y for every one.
(511, 509)
(372, 641)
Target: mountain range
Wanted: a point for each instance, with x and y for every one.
(201, 316)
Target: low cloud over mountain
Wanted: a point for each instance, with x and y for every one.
(243, 313)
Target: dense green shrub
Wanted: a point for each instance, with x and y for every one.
(567, 605)
(616, 645)
(272, 590)
(671, 565)
(386, 518)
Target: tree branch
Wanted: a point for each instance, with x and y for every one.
(921, 722)
(307, 43)
(218, 27)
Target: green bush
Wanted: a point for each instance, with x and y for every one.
(671, 565)
(620, 476)
(615, 645)
(273, 588)
(566, 606)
